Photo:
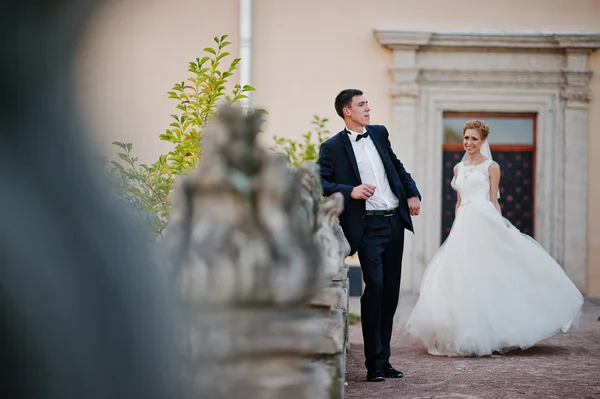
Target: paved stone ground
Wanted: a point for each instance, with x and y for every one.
(564, 366)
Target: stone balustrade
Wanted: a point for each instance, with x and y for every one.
(258, 261)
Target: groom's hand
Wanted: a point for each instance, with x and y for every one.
(414, 206)
(362, 192)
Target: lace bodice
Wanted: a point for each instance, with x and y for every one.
(473, 182)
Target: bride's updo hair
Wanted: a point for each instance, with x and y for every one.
(480, 126)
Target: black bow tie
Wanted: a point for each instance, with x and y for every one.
(362, 136)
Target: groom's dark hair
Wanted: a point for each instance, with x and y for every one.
(344, 100)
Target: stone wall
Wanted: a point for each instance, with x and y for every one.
(258, 259)
(332, 299)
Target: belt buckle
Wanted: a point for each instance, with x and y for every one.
(388, 213)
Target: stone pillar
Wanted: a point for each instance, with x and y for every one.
(576, 95)
(404, 91)
(403, 136)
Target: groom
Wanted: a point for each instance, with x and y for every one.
(380, 198)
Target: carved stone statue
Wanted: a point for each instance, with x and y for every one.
(324, 214)
(239, 229)
(331, 246)
(312, 191)
(242, 241)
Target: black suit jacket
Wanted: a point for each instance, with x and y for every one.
(339, 173)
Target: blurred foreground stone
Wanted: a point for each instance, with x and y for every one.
(258, 260)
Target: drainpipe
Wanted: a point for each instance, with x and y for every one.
(245, 48)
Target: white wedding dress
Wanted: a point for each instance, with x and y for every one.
(489, 287)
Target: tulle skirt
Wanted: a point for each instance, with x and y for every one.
(491, 288)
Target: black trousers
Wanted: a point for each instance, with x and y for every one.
(380, 254)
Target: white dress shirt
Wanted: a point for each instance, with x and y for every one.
(372, 171)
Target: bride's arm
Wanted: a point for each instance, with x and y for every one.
(494, 171)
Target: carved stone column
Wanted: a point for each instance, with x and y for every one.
(404, 139)
(576, 95)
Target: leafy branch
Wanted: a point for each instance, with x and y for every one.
(296, 152)
(146, 188)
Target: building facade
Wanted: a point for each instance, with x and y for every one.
(530, 68)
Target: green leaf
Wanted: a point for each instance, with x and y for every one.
(222, 55)
(119, 144)
(117, 165)
(124, 157)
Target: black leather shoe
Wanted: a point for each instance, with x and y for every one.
(390, 372)
(375, 375)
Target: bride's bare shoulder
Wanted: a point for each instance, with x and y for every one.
(493, 166)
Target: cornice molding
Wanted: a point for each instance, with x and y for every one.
(541, 40)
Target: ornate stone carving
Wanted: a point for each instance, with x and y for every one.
(333, 245)
(249, 242)
(405, 89)
(577, 78)
(577, 94)
(323, 216)
(240, 230)
(311, 192)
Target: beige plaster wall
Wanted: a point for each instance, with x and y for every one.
(133, 54)
(305, 52)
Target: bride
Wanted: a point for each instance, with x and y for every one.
(489, 287)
